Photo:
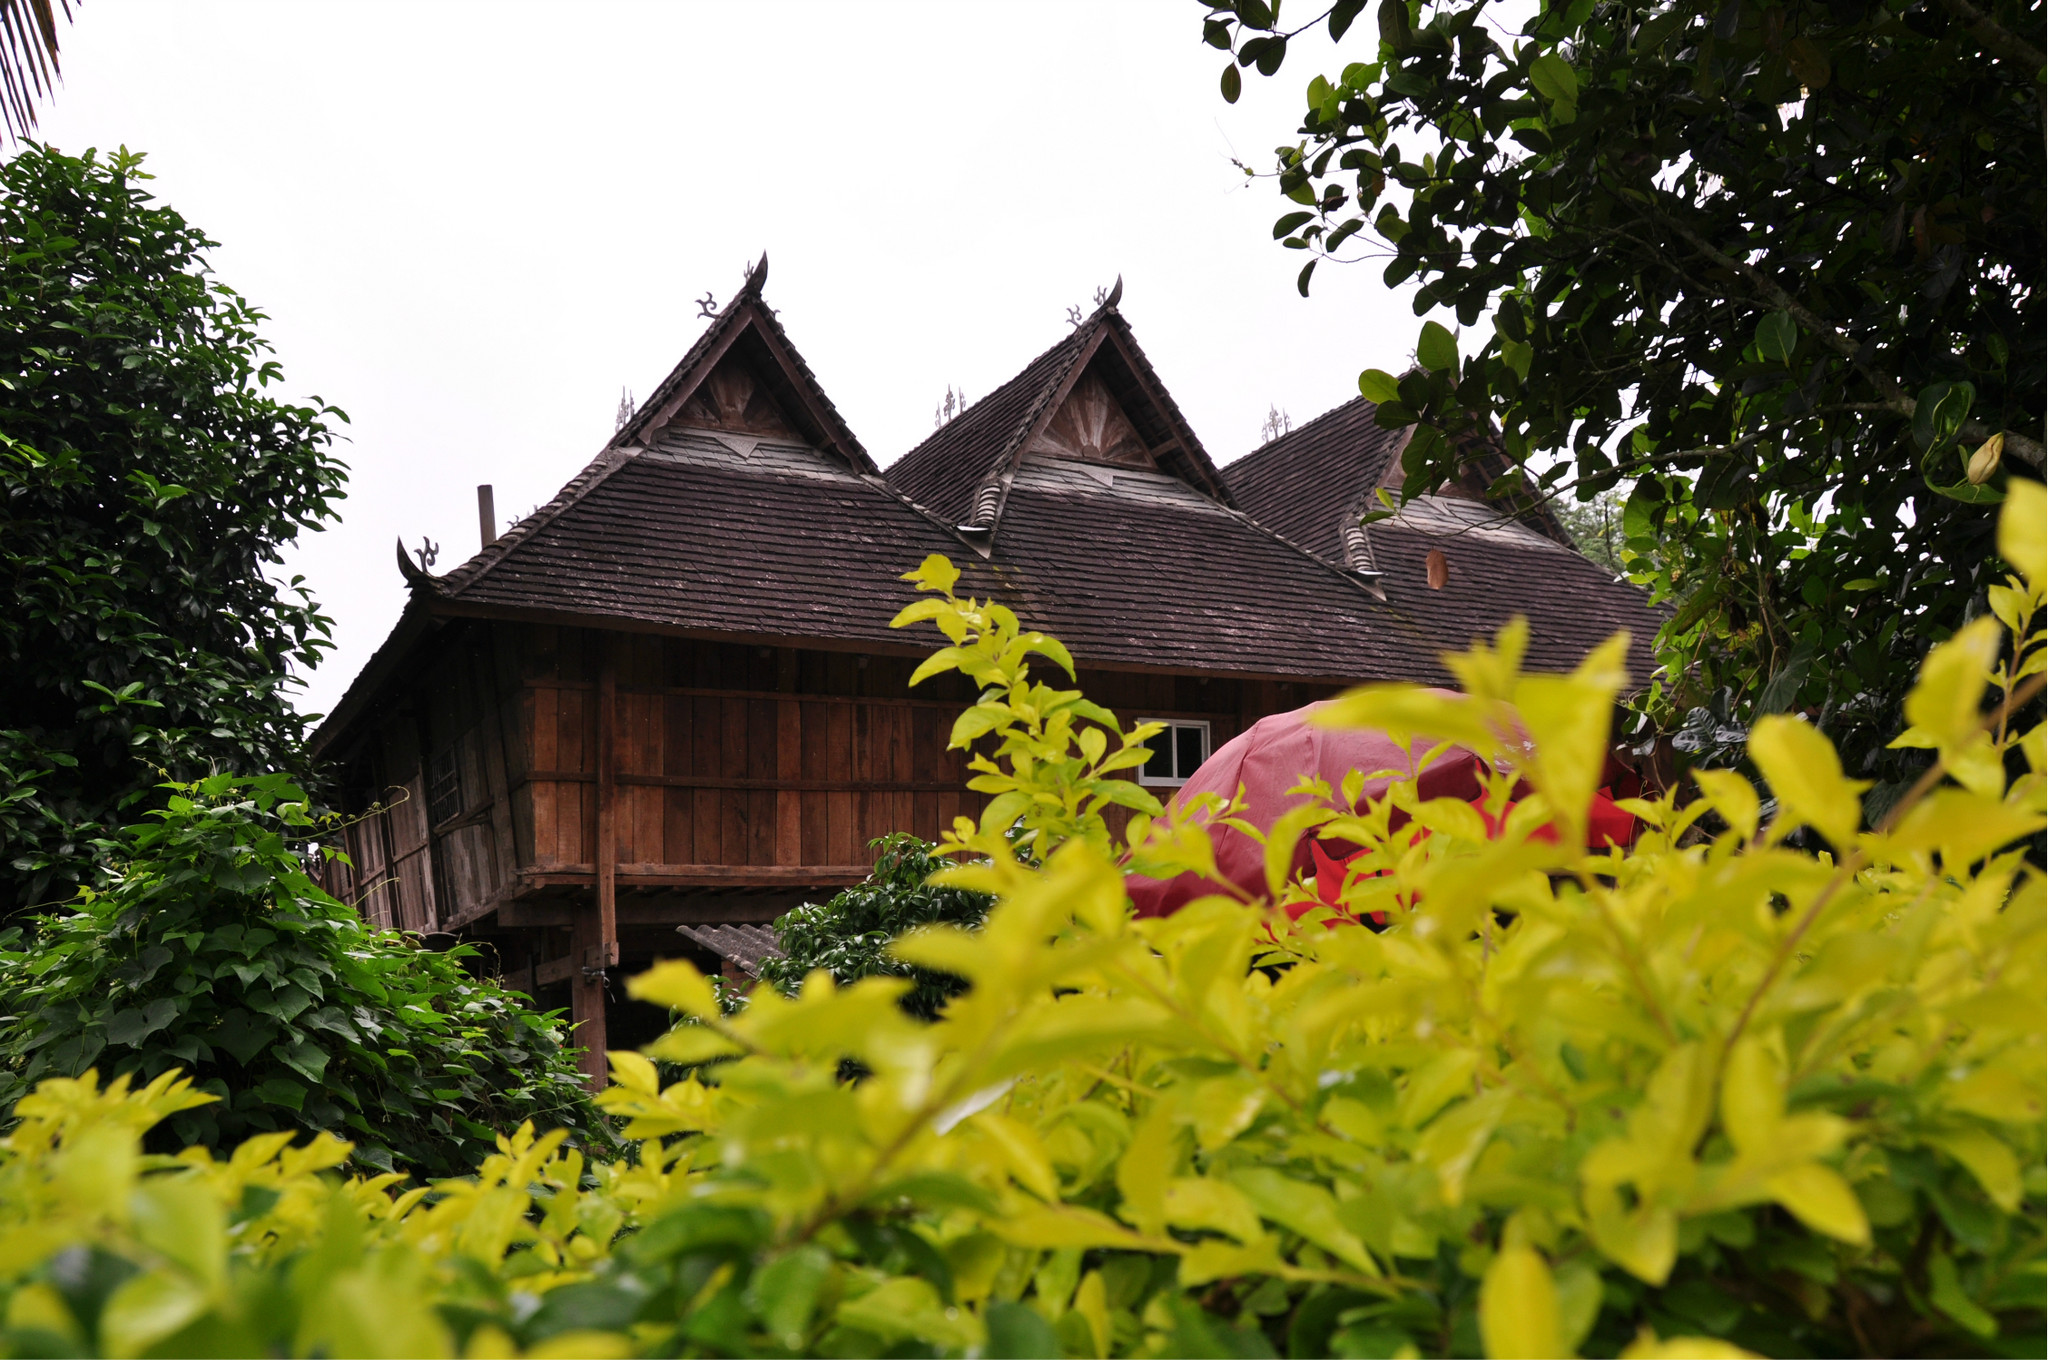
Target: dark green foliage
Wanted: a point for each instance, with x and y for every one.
(146, 486)
(848, 935)
(1773, 270)
(212, 950)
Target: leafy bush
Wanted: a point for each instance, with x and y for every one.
(1565, 1103)
(147, 484)
(213, 951)
(849, 935)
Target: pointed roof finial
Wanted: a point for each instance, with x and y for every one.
(1116, 295)
(757, 276)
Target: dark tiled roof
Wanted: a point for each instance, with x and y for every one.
(691, 534)
(1308, 484)
(744, 945)
(1294, 485)
(1139, 565)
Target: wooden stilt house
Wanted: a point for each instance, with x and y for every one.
(670, 696)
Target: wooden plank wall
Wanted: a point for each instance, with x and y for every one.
(735, 756)
(421, 862)
(731, 757)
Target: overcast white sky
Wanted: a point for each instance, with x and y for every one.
(472, 224)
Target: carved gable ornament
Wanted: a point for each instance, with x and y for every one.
(732, 399)
(1091, 427)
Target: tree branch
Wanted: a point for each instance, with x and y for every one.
(1998, 40)
(2028, 451)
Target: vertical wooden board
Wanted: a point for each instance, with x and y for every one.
(652, 737)
(707, 714)
(708, 818)
(569, 748)
(839, 743)
(839, 673)
(627, 733)
(643, 662)
(732, 740)
(676, 729)
(861, 751)
(927, 745)
(924, 816)
(732, 838)
(497, 785)
(761, 826)
(624, 824)
(842, 829)
(817, 825)
(762, 746)
(568, 822)
(543, 652)
(949, 808)
(545, 703)
(543, 796)
(902, 745)
(844, 833)
(678, 825)
(649, 819)
(814, 739)
(788, 768)
(569, 810)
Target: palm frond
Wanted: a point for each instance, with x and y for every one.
(28, 59)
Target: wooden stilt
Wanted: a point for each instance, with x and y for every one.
(596, 946)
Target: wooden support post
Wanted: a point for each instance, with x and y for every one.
(595, 948)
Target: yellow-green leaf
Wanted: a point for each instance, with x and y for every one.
(1823, 1201)
(1986, 1158)
(676, 984)
(1806, 775)
(1518, 1314)
(1949, 694)
(1733, 797)
(2022, 533)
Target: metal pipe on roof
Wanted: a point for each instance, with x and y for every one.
(486, 515)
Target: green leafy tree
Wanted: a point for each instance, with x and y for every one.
(1773, 268)
(147, 487)
(849, 936)
(213, 951)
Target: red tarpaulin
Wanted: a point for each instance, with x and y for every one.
(1274, 755)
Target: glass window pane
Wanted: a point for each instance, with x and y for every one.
(1160, 766)
(1191, 747)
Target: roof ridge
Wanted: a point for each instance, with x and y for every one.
(1003, 468)
(980, 403)
(722, 320)
(1299, 431)
(1191, 443)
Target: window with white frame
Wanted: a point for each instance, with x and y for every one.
(1177, 752)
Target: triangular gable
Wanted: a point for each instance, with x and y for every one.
(1112, 408)
(743, 376)
(1092, 398)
